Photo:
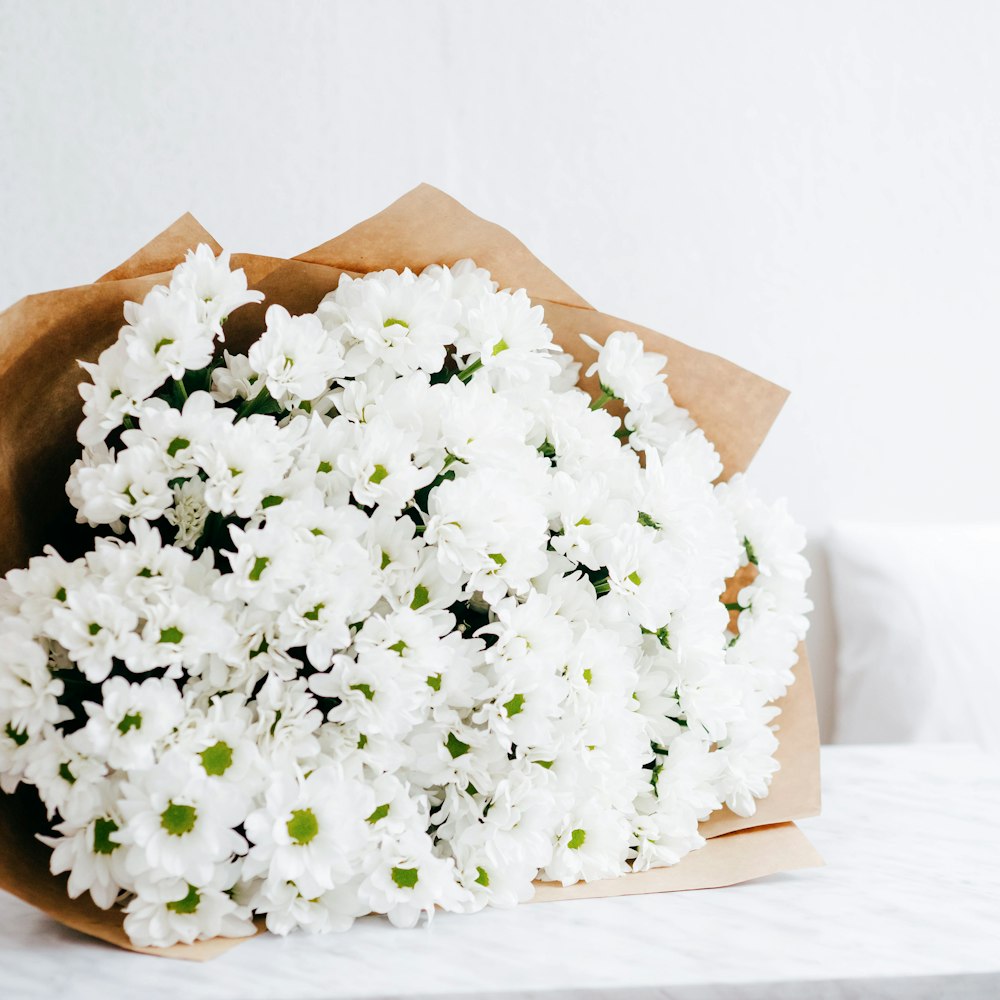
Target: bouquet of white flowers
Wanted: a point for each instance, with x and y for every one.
(386, 614)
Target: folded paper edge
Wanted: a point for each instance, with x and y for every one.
(728, 860)
(442, 231)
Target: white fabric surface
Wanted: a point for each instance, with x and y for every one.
(914, 606)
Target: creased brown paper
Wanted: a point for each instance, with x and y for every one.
(42, 336)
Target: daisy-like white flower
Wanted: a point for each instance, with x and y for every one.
(90, 852)
(216, 288)
(311, 830)
(408, 881)
(172, 911)
(627, 371)
(295, 358)
(177, 824)
(129, 724)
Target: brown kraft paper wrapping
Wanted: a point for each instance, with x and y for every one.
(43, 336)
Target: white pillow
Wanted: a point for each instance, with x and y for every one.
(916, 607)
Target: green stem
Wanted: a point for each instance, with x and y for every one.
(466, 373)
(605, 397)
(179, 388)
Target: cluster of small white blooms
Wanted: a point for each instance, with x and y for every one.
(392, 616)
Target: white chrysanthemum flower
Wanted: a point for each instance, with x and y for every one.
(173, 911)
(407, 880)
(311, 830)
(626, 369)
(402, 320)
(92, 855)
(177, 823)
(215, 287)
(130, 722)
(295, 358)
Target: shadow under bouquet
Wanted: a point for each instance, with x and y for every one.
(380, 601)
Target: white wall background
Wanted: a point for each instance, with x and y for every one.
(812, 190)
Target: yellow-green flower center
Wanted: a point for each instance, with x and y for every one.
(303, 826)
(178, 819)
(217, 759)
(189, 904)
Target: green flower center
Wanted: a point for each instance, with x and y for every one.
(189, 904)
(379, 474)
(405, 878)
(391, 321)
(380, 813)
(514, 706)
(103, 828)
(482, 877)
(172, 634)
(577, 840)
(130, 722)
(217, 759)
(19, 736)
(421, 596)
(178, 820)
(259, 565)
(455, 746)
(303, 826)
(176, 445)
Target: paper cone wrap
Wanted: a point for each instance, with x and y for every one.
(43, 336)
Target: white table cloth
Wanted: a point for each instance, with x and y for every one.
(908, 906)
